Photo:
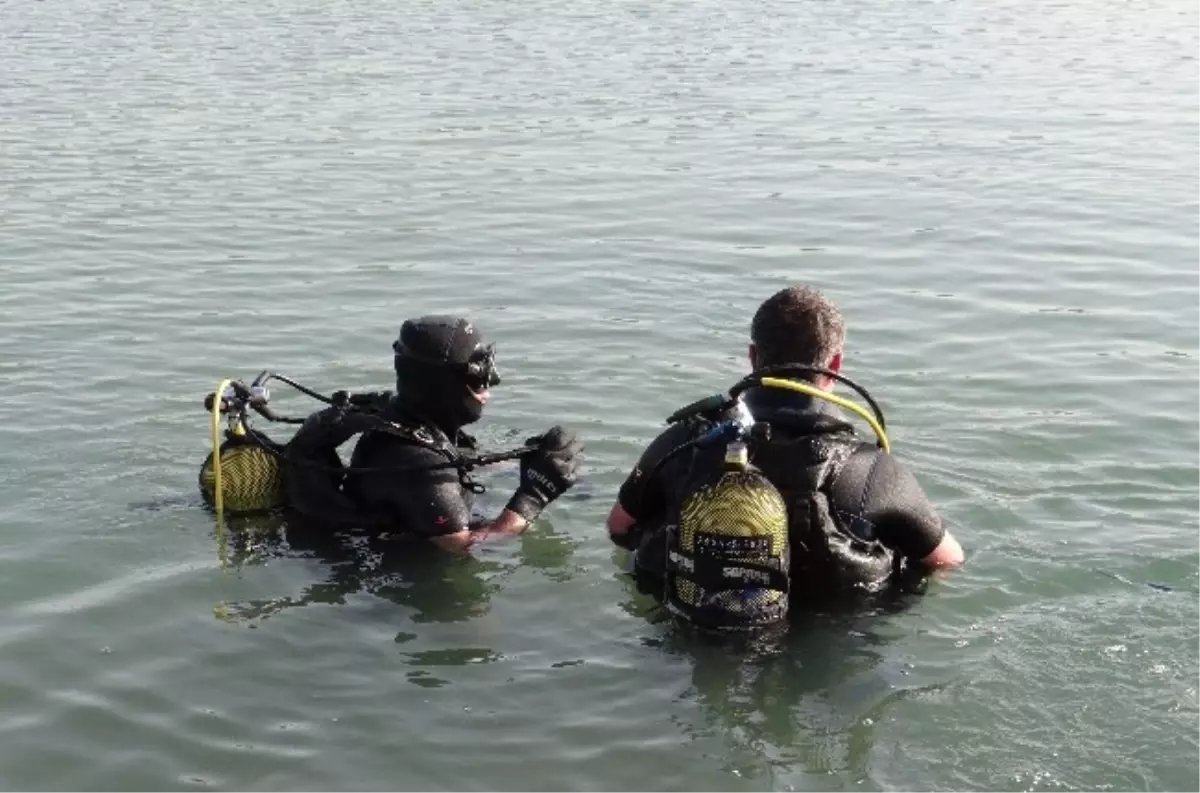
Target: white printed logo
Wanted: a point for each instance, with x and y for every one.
(542, 479)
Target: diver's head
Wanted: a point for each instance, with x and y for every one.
(798, 325)
(444, 370)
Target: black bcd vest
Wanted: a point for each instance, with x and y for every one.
(319, 486)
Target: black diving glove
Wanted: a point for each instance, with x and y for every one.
(547, 473)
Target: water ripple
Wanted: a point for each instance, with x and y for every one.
(1003, 202)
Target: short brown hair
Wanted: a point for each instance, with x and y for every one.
(797, 325)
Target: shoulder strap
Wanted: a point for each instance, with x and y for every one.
(839, 450)
(416, 434)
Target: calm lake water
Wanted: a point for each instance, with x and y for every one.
(1002, 197)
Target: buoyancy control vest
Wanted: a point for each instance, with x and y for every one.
(829, 557)
(318, 481)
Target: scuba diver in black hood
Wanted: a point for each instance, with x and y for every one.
(406, 482)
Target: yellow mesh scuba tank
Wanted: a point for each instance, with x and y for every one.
(729, 561)
(252, 479)
(728, 552)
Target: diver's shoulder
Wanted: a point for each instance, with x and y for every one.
(870, 472)
(870, 453)
(675, 434)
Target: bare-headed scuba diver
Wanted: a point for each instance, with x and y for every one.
(757, 501)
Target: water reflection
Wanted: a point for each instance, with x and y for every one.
(799, 703)
(435, 586)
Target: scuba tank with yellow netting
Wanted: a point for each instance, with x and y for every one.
(253, 478)
(244, 474)
(728, 552)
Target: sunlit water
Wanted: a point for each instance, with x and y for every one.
(1001, 196)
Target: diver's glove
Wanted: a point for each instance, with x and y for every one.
(547, 473)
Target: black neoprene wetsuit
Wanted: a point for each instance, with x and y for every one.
(421, 503)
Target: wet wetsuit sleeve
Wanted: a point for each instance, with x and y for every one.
(423, 503)
(876, 497)
(641, 495)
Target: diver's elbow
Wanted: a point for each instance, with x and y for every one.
(948, 553)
